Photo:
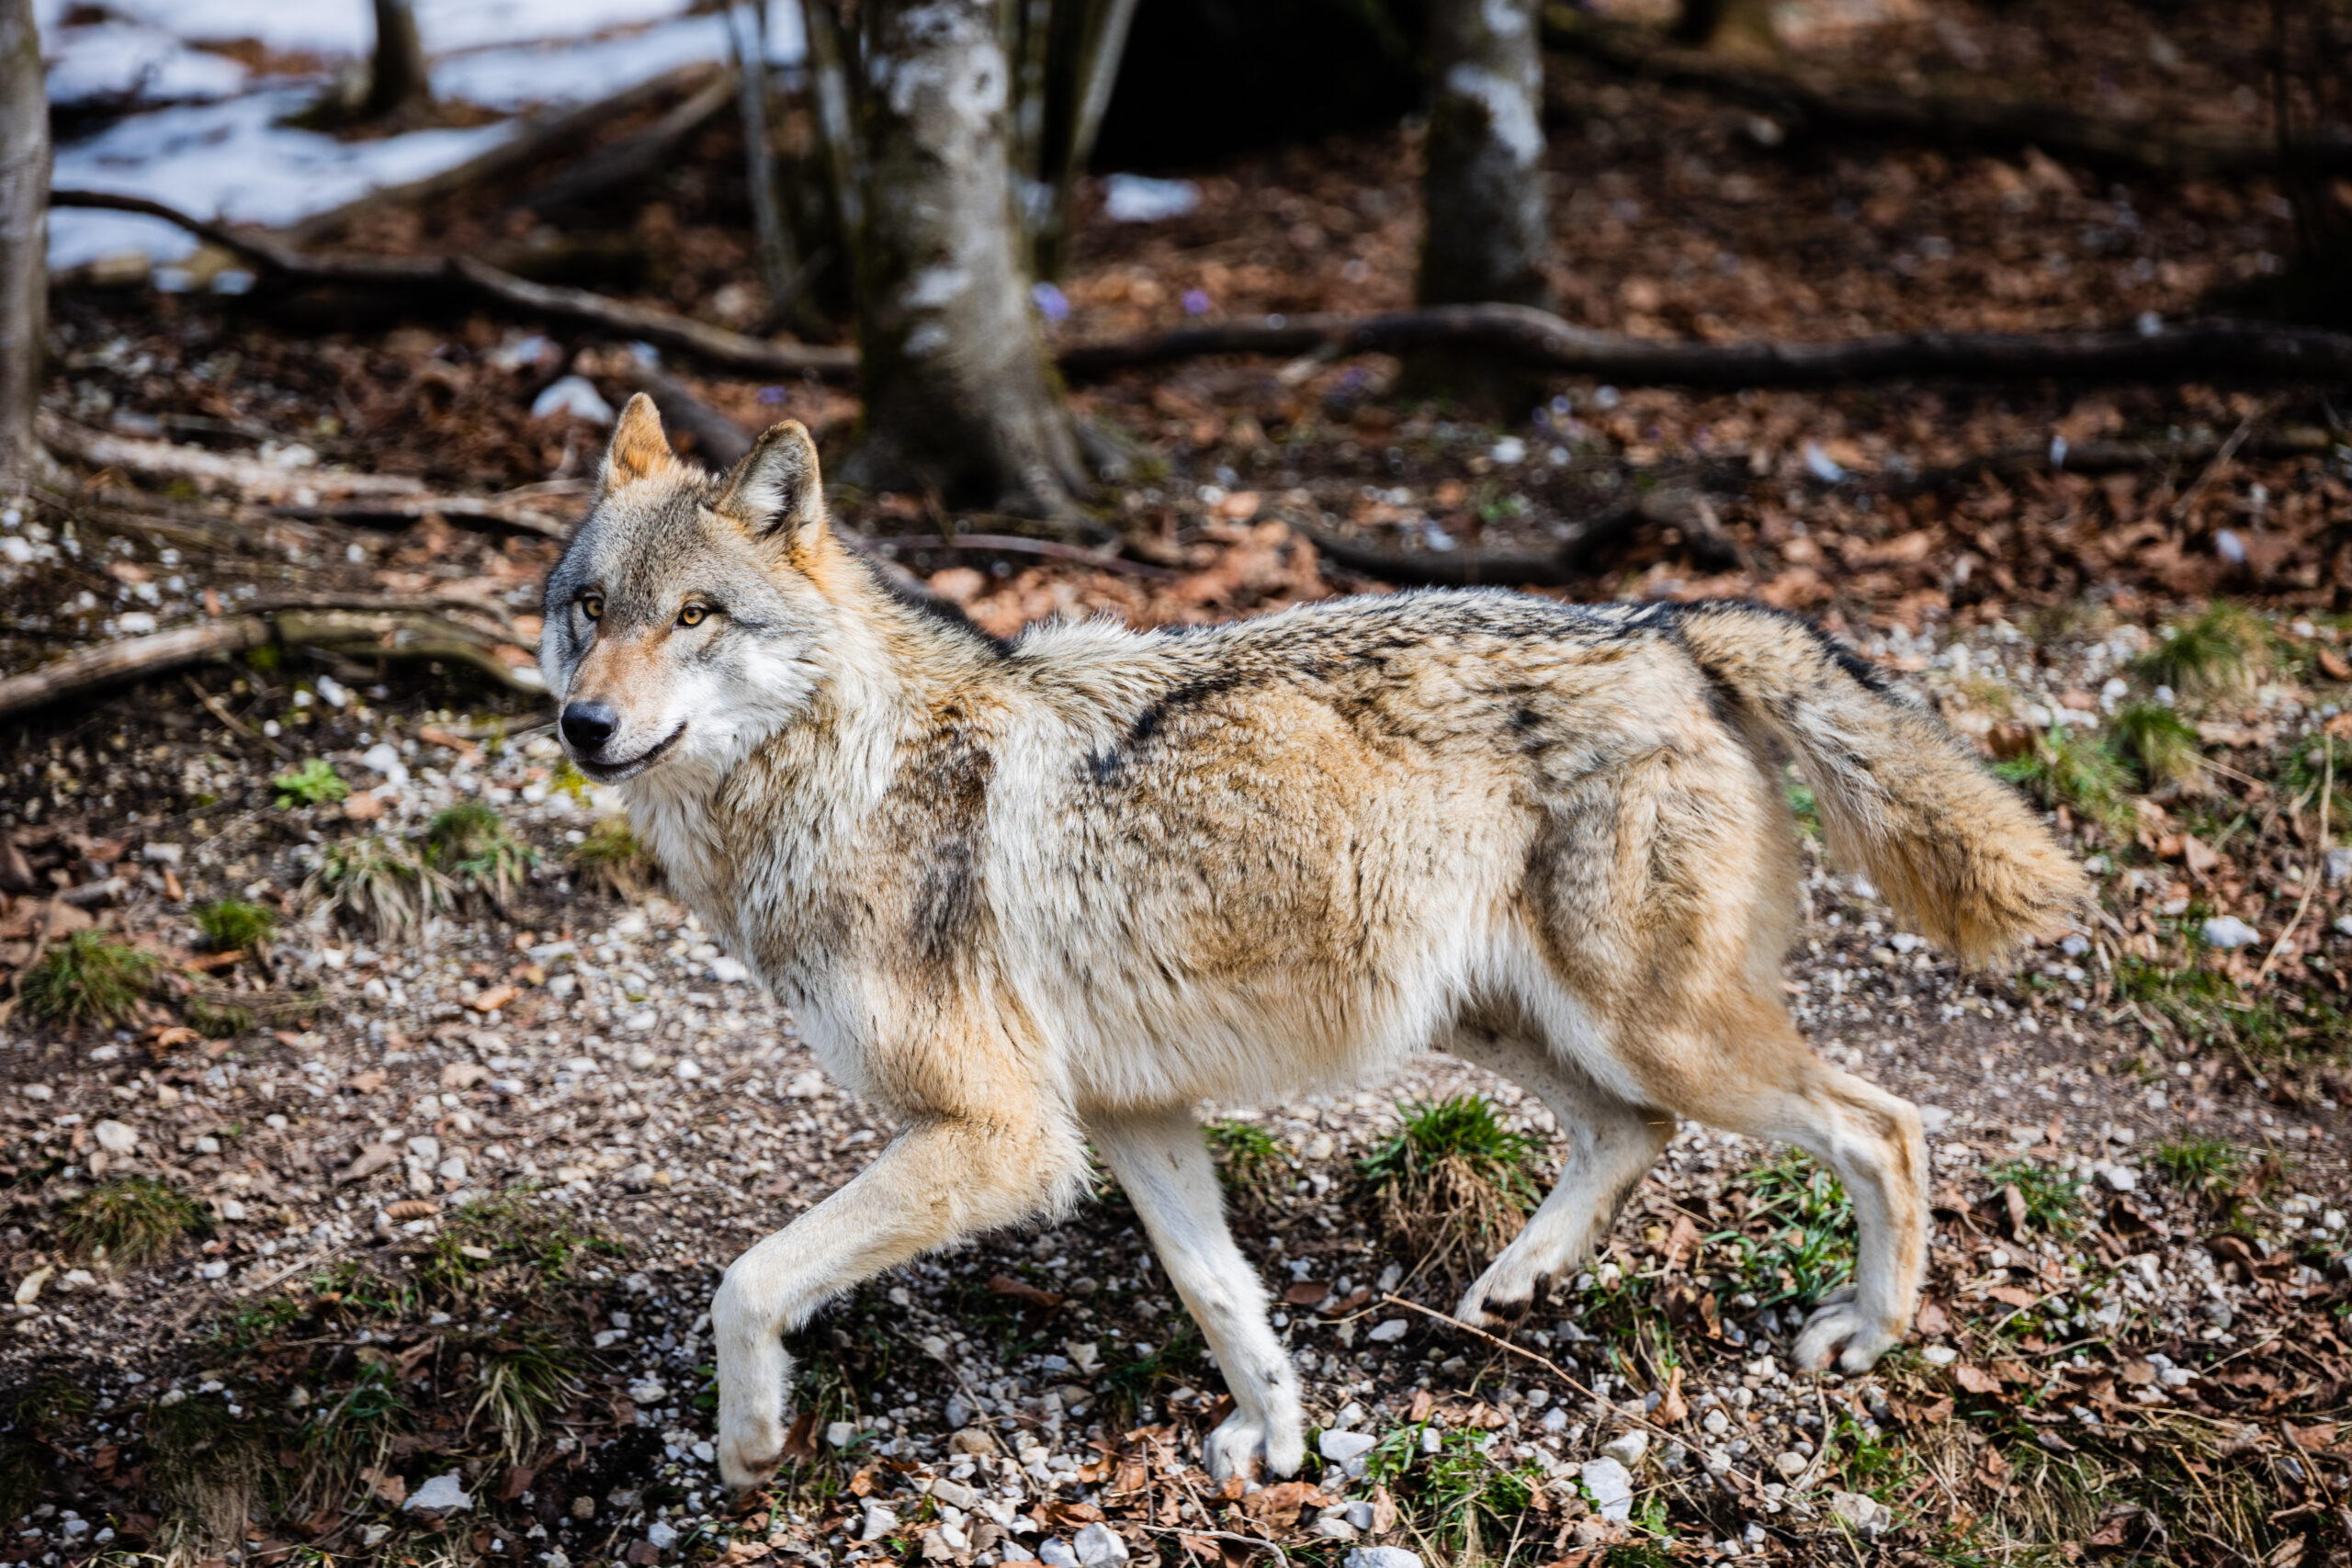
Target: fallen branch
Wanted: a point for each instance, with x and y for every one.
(1942, 118)
(1569, 563)
(397, 634)
(536, 140)
(247, 476)
(1521, 335)
(1511, 333)
(2103, 457)
(399, 509)
(636, 155)
(463, 274)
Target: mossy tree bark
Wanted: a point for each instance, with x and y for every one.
(1485, 206)
(24, 243)
(961, 396)
(396, 74)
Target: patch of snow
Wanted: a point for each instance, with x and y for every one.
(1138, 198)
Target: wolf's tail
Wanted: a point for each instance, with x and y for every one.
(1956, 851)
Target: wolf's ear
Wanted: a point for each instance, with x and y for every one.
(639, 449)
(776, 492)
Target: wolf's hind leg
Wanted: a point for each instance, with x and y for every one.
(1161, 1162)
(936, 1180)
(1611, 1145)
(1872, 1140)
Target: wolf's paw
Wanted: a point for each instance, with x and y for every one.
(1503, 1295)
(1837, 1333)
(748, 1452)
(1243, 1442)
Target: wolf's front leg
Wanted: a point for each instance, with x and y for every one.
(1161, 1162)
(937, 1181)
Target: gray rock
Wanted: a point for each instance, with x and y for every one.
(1790, 1465)
(1383, 1557)
(1863, 1515)
(1099, 1546)
(444, 1494)
(1055, 1552)
(879, 1521)
(1627, 1448)
(2228, 931)
(956, 1495)
(1609, 1485)
(1387, 1332)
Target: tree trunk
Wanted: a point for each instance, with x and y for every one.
(24, 242)
(958, 393)
(396, 74)
(1743, 30)
(1487, 214)
(1070, 53)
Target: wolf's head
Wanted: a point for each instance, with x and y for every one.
(687, 619)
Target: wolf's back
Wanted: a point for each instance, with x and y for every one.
(1955, 851)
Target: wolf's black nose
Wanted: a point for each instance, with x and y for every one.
(589, 724)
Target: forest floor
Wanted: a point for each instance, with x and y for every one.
(371, 1206)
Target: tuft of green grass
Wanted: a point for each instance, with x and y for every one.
(1455, 1184)
(129, 1221)
(1247, 1157)
(1803, 805)
(2054, 1200)
(2199, 1166)
(2160, 744)
(88, 978)
(470, 844)
(217, 1016)
(2208, 1009)
(1458, 1496)
(611, 857)
(520, 1378)
(1124, 1386)
(1809, 1249)
(2215, 654)
(379, 885)
(2313, 761)
(315, 782)
(2069, 767)
(232, 923)
(254, 1324)
(503, 1247)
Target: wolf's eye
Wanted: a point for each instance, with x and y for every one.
(593, 607)
(691, 615)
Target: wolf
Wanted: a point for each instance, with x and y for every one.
(1035, 892)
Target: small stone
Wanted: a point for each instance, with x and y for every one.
(648, 1391)
(956, 1495)
(1863, 1515)
(115, 1138)
(1360, 1514)
(970, 1441)
(444, 1494)
(1383, 1557)
(1056, 1552)
(1341, 1447)
(1790, 1465)
(1627, 1448)
(1099, 1546)
(2116, 1177)
(661, 1533)
(879, 1521)
(2228, 931)
(1940, 1355)
(2339, 867)
(840, 1433)
(1387, 1332)
(1335, 1527)
(1714, 1423)
(1609, 1485)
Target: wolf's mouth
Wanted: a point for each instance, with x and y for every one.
(614, 773)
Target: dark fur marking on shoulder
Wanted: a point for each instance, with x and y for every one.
(946, 612)
(1106, 765)
(944, 787)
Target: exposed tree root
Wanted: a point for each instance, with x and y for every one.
(212, 471)
(358, 627)
(2231, 350)
(1518, 335)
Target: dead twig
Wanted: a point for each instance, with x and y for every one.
(398, 633)
(2221, 460)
